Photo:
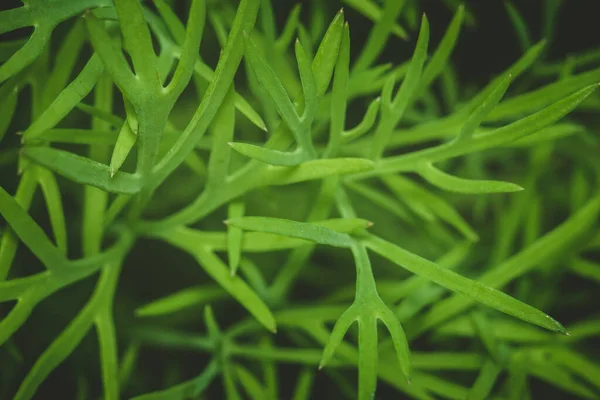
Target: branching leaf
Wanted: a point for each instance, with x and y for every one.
(475, 290)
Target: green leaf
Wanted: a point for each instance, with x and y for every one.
(7, 109)
(111, 56)
(485, 381)
(68, 53)
(366, 124)
(291, 24)
(485, 330)
(79, 136)
(26, 54)
(429, 203)
(234, 285)
(309, 90)
(125, 142)
(393, 107)
(441, 56)
(30, 233)
(222, 130)
(578, 364)
(113, 120)
(380, 33)
(536, 100)
(454, 184)
(555, 376)
(301, 230)
(107, 340)
(372, 11)
(181, 300)
(51, 192)
(487, 105)
(544, 249)
(315, 169)
(136, 38)
(250, 383)
(489, 139)
(68, 98)
(234, 236)
(271, 83)
(83, 170)
(381, 199)
(272, 157)
(189, 48)
(476, 290)
(519, 25)
(70, 338)
(339, 96)
(585, 269)
(340, 328)
(187, 389)
(516, 69)
(8, 245)
(327, 53)
(302, 390)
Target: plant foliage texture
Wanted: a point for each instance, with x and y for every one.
(235, 206)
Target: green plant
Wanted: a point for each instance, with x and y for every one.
(294, 187)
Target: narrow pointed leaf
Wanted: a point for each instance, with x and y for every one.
(484, 109)
(455, 282)
(300, 230)
(399, 340)
(485, 381)
(125, 142)
(441, 56)
(269, 80)
(7, 110)
(51, 192)
(189, 48)
(273, 157)
(30, 233)
(455, 184)
(68, 99)
(337, 335)
(181, 300)
(26, 54)
(234, 285)
(234, 236)
(366, 124)
(83, 170)
(519, 25)
(327, 53)
(372, 11)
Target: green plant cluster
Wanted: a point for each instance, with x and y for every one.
(311, 187)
